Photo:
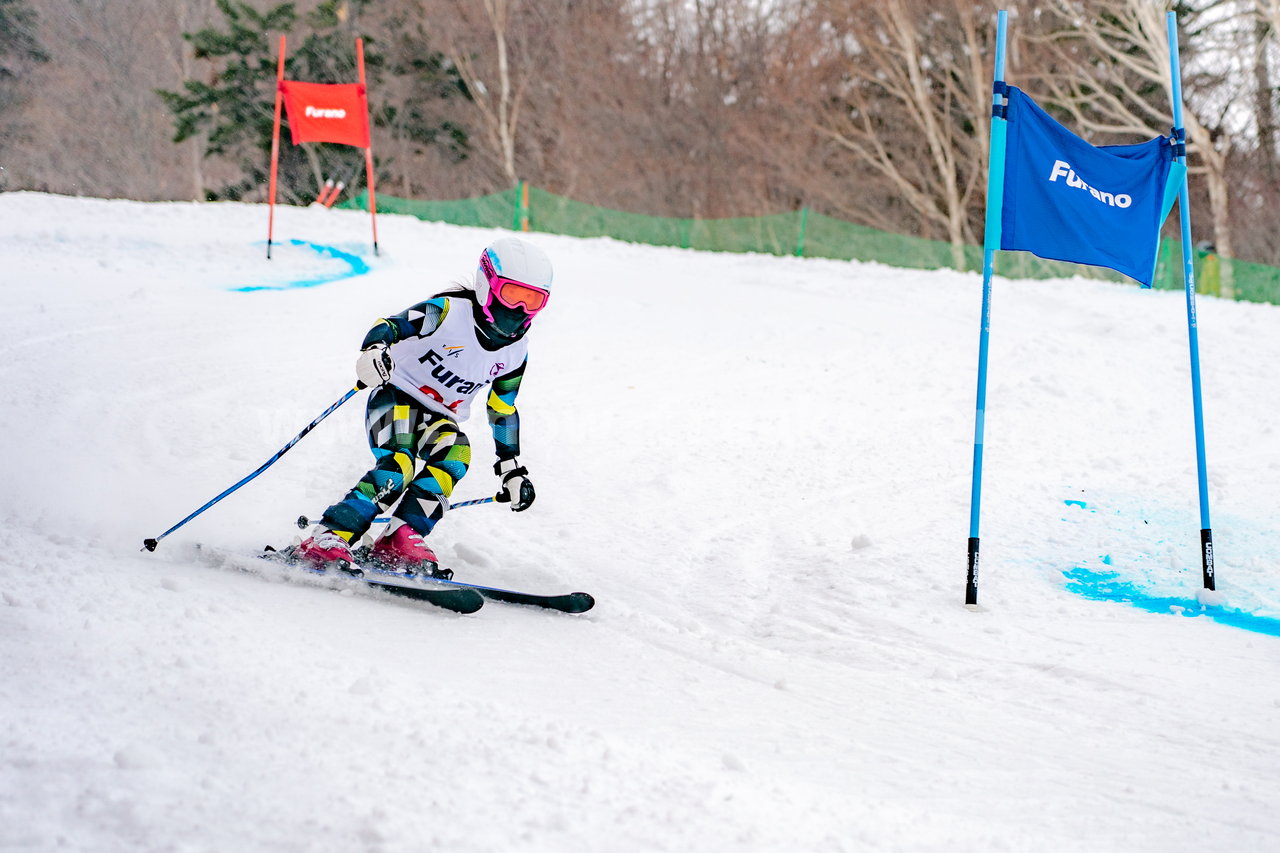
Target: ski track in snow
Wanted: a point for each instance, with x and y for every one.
(760, 468)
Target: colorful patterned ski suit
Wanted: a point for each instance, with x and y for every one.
(442, 363)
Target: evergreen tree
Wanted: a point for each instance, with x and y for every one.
(18, 43)
(425, 81)
(19, 50)
(236, 107)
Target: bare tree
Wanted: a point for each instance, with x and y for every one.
(166, 29)
(875, 113)
(97, 127)
(911, 106)
(20, 49)
(1262, 48)
(727, 88)
(496, 74)
(1110, 71)
(1257, 171)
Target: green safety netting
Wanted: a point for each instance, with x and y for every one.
(1231, 279)
(804, 233)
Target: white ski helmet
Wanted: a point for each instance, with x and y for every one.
(513, 258)
(513, 283)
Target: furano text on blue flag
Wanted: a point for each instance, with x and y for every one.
(1067, 200)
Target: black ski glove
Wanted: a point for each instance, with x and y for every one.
(516, 488)
(374, 366)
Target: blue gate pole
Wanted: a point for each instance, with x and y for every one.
(990, 243)
(1189, 278)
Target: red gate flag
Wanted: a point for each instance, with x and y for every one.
(323, 112)
(326, 112)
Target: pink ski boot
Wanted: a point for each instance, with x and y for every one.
(323, 547)
(405, 550)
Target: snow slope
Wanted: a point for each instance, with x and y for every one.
(760, 468)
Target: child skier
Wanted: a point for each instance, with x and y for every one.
(425, 366)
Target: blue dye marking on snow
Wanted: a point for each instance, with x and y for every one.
(1080, 504)
(355, 266)
(1107, 586)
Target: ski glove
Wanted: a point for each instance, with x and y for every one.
(516, 488)
(374, 366)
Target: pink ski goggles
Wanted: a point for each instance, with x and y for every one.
(512, 293)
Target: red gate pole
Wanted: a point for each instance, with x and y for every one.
(368, 151)
(275, 151)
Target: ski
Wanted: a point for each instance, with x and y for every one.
(570, 602)
(441, 590)
(459, 599)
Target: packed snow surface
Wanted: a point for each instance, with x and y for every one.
(759, 466)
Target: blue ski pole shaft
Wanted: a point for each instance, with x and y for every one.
(150, 544)
(382, 519)
(475, 502)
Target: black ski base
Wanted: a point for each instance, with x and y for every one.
(449, 599)
(569, 602)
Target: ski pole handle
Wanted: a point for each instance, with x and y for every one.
(150, 544)
(303, 522)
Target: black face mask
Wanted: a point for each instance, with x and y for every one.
(508, 324)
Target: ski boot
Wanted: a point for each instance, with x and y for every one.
(324, 548)
(404, 550)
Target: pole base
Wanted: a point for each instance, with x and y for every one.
(1206, 558)
(971, 581)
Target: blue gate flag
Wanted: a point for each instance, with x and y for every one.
(1067, 200)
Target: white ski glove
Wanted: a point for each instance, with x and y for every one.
(374, 366)
(516, 488)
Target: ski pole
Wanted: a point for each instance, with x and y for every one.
(150, 544)
(475, 502)
(303, 522)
